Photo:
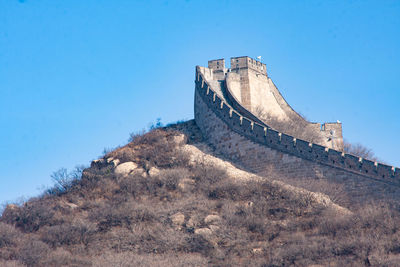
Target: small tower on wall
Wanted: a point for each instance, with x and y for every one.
(218, 68)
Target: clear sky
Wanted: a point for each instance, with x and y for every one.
(79, 76)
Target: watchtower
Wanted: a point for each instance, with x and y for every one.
(238, 63)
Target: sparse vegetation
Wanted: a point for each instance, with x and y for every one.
(359, 150)
(187, 215)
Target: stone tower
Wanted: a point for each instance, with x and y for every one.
(243, 116)
(248, 88)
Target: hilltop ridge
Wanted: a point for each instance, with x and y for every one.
(167, 199)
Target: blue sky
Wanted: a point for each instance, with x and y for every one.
(79, 76)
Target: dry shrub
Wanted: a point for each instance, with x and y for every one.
(107, 215)
(8, 235)
(62, 257)
(78, 232)
(126, 221)
(11, 263)
(33, 253)
(206, 176)
(198, 244)
(155, 148)
(30, 216)
(359, 150)
(128, 259)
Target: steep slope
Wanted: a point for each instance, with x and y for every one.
(164, 199)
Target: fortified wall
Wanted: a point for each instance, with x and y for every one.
(224, 115)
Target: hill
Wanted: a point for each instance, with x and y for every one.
(166, 199)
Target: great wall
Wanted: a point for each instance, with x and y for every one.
(225, 104)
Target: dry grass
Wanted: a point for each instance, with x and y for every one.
(108, 220)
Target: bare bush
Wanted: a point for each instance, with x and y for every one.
(62, 257)
(157, 148)
(108, 216)
(33, 252)
(78, 232)
(127, 259)
(31, 216)
(11, 263)
(8, 235)
(109, 220)
(359, 150)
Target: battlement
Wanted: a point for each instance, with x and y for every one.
(259, 140)
(238, 63)
(217, 65)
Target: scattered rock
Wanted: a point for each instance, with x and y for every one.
(213, 227)
(192, 222)
(125, 168)
(212, 219)
(204, 232)
(154, 171)
(257, 251)
(70, 205)
(249, 204)
(97, 163)
(12, 207)
(178, 218)
(115, 162)
(138, 171)
(179, 139)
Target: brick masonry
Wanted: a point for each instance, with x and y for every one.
(263, 151)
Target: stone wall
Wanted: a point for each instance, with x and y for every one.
(261, 150)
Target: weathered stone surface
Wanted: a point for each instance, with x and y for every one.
(269, 153)
(205, 232)
(212, 219)
(192, 222)
(154, 171)
(257, 251)
(178, 218)
(125, 168)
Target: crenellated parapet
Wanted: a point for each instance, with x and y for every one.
(260, 133)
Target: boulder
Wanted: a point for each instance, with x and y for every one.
(125, 168)
(97, 163)
(212, 219)
(177, 218)
(179, 139)
(154, 171)
(192, 222)
(204, 232)
(257, 251)
(115, 162)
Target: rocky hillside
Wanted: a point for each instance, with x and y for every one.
(164, 199)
